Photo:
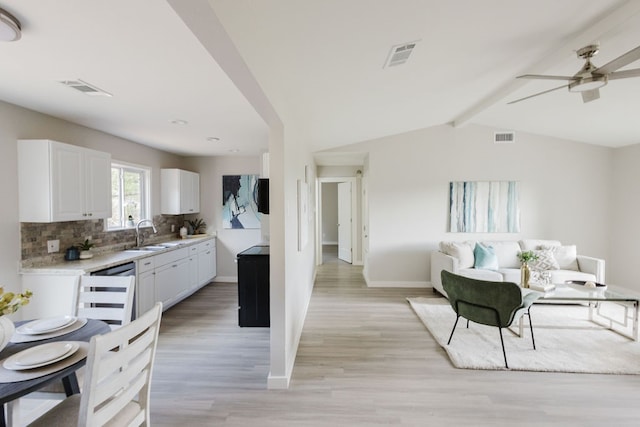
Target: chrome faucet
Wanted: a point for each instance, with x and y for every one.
(140, 239)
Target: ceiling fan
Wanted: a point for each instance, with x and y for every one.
(590, 78)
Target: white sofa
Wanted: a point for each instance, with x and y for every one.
(458, 258)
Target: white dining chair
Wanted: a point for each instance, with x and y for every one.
(117, 384)
(106, 298)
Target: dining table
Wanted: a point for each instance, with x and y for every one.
(67, 374)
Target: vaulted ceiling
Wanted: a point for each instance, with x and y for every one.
(320, 63)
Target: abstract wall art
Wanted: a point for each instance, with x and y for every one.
(239, 201)
(484, 207)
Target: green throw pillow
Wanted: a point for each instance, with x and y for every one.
(485, 257)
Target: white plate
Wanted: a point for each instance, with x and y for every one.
(40, 355)
(43, 326)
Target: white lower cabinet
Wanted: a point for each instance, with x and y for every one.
(172, 281)
(206, 261)
(171, 276)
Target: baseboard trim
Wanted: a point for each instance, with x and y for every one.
(278, 383)
(394, 284)
(226, 279)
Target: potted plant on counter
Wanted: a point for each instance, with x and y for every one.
(85, 249)
(197, 226)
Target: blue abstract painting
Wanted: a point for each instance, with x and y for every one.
(239, 201)
(484, 207)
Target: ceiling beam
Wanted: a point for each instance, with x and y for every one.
(595, 30)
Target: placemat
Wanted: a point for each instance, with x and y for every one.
(9, 376)
(20, 338)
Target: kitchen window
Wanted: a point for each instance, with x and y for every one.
(129, 195)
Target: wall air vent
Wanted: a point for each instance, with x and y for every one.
(399, 54)
(84, 87)
(504, 138)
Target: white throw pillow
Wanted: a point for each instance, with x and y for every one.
(463, 251)
(567, 256)
(546, 260)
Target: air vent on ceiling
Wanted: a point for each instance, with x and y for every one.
(504, 137)
(84, 87)
(399, 54)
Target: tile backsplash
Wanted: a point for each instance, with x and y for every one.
(34, 237)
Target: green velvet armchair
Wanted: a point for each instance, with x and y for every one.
(499, 304)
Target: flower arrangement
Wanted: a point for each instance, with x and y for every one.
(10, 302)
(527, 256)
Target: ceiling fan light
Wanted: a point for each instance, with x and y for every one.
(589, 83)
(9, 27)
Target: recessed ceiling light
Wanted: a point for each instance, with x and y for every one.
(213, 139)
(179, 122)
(235, 150)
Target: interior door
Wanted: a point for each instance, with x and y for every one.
(344, 221)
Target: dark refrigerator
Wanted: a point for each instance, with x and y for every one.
(253, 286)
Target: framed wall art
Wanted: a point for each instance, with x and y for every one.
(484, 207)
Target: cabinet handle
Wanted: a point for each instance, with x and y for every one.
(174, 265)
(90, 214)
(147, 263)
(208, 252)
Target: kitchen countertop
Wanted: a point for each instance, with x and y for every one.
(109, 259)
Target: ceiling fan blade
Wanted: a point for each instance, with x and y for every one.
(537, 94)
(619, 62)
(625, 74)
(543, 77)
(590, 95)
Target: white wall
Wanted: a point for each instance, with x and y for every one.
(625, 225)
(19, 123)
(563, 194)
(330, 213)
(229, 242)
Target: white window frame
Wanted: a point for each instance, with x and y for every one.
(145, 191)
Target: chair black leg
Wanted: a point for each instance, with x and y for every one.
(453, 330)
(467, 323)
(504, 353)
(531, 327)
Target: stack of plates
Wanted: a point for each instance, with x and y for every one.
(44, 326)
(41, 355)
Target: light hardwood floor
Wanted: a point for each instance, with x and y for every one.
(365, 359)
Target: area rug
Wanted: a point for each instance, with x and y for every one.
(566, 341)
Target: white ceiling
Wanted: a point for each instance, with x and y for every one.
(320, 63)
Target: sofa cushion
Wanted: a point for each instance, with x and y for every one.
(463, 251)
(546, 260)
(510, 274)
(485, 257)
(481, 274)
(506, 251)
(532, 244)
(567, 256)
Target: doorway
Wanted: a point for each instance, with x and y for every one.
(337, 220)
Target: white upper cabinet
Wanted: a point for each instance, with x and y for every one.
(62, 182)
(180, 192)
